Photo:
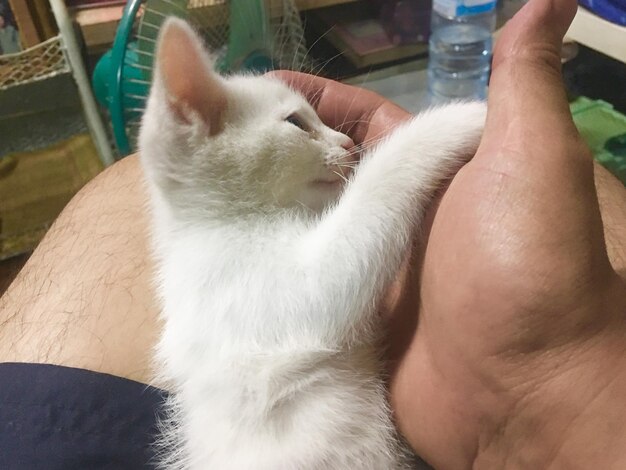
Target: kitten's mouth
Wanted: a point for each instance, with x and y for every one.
(327, 182)
(333, 179)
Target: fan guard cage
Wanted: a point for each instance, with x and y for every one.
(132, 54)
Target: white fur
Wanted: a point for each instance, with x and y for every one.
(269, 283)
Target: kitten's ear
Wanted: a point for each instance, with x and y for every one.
(186, 72)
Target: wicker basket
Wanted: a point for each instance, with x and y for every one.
(39, 62)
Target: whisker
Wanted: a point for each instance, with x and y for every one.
(355, 121)
(319, 39)
(372, 140)
(347, 112)
(341, 159)
(340, 176)
(338, 160)
(293, 60)
(317, 70)
(317, 94)
(354, 98)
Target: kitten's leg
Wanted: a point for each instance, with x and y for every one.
(349, 257)
(370, 228)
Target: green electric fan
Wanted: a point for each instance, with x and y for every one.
(245, 35)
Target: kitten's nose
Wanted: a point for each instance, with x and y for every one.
(347, 143)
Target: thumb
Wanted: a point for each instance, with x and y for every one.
(528, 108)
(543, 21)
(534, 169)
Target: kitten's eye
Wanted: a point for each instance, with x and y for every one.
(296, 121)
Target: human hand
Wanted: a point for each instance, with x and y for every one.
(518, 354)
(359, 113)
(517, 359)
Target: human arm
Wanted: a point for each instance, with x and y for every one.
(507, 336)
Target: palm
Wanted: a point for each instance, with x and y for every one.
(493, 257)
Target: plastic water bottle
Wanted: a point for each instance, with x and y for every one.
(460, 49)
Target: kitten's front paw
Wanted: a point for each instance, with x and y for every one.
(470, 117)
(469, 123)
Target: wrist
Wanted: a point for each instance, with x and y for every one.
(575, 418)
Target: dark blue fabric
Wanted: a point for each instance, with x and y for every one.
(54, 417)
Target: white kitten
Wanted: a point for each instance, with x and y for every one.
(270, 268)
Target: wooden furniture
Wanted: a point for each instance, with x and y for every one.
(100, 23)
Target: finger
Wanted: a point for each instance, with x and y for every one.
(311, 86)
(532, 166)
(530, 138)
(362, 114)
(528, 108)
(338, 105)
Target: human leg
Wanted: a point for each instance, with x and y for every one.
(84, 298)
